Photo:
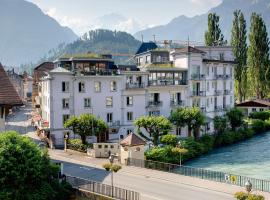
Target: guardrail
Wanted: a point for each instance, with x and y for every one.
(103, 189)
(258, 184)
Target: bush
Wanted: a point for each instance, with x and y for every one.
(77, 145)
(208, 142)
(246, 196)
(262, 115)
(169, 139)
(258, 126)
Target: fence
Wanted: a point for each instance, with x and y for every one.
(258, 184)
(103, 189)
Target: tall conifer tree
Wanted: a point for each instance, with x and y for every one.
(213, 36)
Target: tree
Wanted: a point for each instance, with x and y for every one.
(169, 139)
(258, 56)
(156, 126)
(190, 117)
(26, 172)
(220, 124)
(86, 125)
(239, 44)
(235, 118)
(213, 37)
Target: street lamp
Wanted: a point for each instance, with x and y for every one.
(111, 158)
(66, 138)
(179, 146)
(248, 186)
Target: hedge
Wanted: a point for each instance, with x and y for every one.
(76, 144)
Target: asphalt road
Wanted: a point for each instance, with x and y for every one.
(150, 188)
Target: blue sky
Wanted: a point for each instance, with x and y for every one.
(82, 15)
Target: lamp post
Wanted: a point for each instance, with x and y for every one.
(65, 138)
(179, 146)
(248, 186)
(111, 158)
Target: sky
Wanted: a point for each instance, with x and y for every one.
(126, 15)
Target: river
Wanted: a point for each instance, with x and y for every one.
(248, 158)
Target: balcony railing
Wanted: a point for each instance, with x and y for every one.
(154, 103)
(227, 92)
(167, 82)
(177, 103)
(134, 85)
(198, 93)
(219, 76)
(197, 77)
(114, 124)
(217, 92)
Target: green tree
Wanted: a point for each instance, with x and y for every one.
(190, 117)
(239, 44)
(213, 36)
(258, 56)
(156, 126)
(235, 118)
(169, 139)
(26, 172)
(86, 125)
(220, 124)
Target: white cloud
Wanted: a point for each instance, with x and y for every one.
(209, 3)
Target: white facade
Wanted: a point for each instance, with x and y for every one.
(199, 79)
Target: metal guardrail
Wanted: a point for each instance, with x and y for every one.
(257, 184)
(103, 189)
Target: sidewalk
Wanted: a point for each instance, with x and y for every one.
(83, 159)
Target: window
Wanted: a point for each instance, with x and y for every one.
(129, 131)
(87, 102)
(97, 87)
(65, 118)
(100, 146)
(138, 149)
(65, 86)
(109, 101)
(2, 112)
(213, 85)
(109, 117)
(65, 103)
(121, 137)
(113, 86)
(154, 113)
(129, 116)
(129, 101)
(221, 56)
(105, 146)
(208, 86)
(178, 131)
(207, 70)
(112, 147)
(207, 102)
(253, 109)
(231, 99)
(81, 87)
(230, 85)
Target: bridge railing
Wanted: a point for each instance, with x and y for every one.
(257, 184)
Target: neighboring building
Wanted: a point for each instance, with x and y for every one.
(17, 82)
(8, 97)
(40, 71)
(166, 80)
(27, 87)
(251, 106)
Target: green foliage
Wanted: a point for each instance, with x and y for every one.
(239, 44)
(262, 115)
(208, 142)
(86, 125)
(169, 139)
(111, 167)
(156, 126)
(235, 117)
(258, 57)
(258, 125)
(191, 117)
(220, 124)
(26, 171)
(77, 145)
(247, 196)
(213, 36)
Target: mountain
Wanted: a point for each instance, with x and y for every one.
(100, 41)
(182, 27)
(26, 33)
(118, 22)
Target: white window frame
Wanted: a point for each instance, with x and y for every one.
(97, 86)
(109, 101)
(87, 102)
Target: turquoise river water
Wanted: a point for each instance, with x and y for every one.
(249, 158)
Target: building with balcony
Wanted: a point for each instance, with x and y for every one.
(164, 79)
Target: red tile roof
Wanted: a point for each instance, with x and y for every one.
(132, 140)
(254, 103)
(8, 94)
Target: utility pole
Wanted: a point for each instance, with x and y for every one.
(142, 37)
(154, 36)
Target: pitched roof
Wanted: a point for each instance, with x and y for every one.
(146, 46)
(188, 49)
(132, 140)
(8, 94)
(254, 103)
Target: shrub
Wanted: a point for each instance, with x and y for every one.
(77, 145)
(169, 139)
(208, 142)
(220, 124)
(262, 115)
(258, 126)
(246, 196)
(235, 117)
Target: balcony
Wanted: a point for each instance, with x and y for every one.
(218, 108)
(134, 85)
(114, 124)
(227, 76)
(198, 93)
(217, 92)
(227, 92)
(219, 76)
(197, 77)
(203, 109)
(154, 103)
(166, 82)
(177, 103)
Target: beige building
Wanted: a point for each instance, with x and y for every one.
(132, 147)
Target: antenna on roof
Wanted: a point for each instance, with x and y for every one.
(142, 37)
(154, 36)
(188, 41)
